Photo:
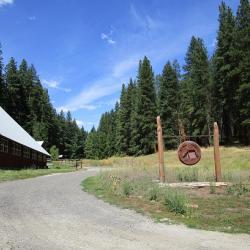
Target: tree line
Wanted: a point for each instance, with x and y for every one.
(188, 99)
(27, 102)
(207, 89)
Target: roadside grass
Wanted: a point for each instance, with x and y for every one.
(235, 163)
(9, 175)
(133, 184)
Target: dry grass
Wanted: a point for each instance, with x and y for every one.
(132, 183)
(235, 165)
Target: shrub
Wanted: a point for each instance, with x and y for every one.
(153, 193)
(54, 152)
(175, 201)
(126, 188)
(212, 188)
(237, 189)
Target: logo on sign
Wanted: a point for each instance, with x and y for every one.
(189, 153)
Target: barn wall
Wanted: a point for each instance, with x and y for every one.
(10, 161)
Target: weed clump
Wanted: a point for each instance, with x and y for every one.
(154, 193)
(175, 201)
(127, 188)
(212, 188)
(237, 189)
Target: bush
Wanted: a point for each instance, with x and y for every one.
(126, 188)
(237, 189)
(175, 201)
(153, 193)
(54, 153)
(212, 188)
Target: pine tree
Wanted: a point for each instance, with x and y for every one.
(111, 135)
(123, 123)
(15, 92)
(145, 117)
(82, 135)
(26, 86)
(131, 99)
(243, 55)
(157, 91)
(169, 103)
(226, 74)
(107, 130)
(61, 123)
(90, 144)
(134, 142)
(104, 130)
(195, 90)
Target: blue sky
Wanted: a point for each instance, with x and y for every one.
(84, 50)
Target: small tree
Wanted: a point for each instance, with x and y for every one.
(54, 153)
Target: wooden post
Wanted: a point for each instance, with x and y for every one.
(217, 164)
(160, 150)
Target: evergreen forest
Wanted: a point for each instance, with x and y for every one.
(189, 99)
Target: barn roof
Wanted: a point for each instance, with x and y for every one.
(9, 128)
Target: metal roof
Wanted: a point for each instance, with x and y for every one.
(9, 128)
(40, 142)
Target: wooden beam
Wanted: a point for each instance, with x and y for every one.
(160, 150)
(217, 164)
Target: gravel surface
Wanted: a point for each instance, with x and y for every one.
(52, 212)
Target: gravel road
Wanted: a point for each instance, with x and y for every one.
(52, 212)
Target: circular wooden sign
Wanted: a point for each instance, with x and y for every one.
(189, 153)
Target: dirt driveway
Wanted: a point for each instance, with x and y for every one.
(52, 212)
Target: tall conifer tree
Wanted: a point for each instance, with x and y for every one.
(169, 103)
(145, 109)
(226, 74)
(15, 93)
(123, 122)
(243, 55)
(195, 90)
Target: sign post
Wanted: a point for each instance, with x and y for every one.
(217, 164)
(160, 150)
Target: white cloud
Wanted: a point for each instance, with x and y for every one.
(108, 37)
(54, 84)
(123, 62)
(51, 83)
(72, 107)
(32, 18)
(124, 66)
(214, 42)
(89, 125)
(103, 87)
(79, 123)
(145, 22)
(6, 2)
(87, 97)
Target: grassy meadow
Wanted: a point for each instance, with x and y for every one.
(132, 183)
(55, 167)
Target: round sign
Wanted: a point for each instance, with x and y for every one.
(189, 152)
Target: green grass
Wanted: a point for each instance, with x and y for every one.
(235, 164)
(132, 184)
(9, 175)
